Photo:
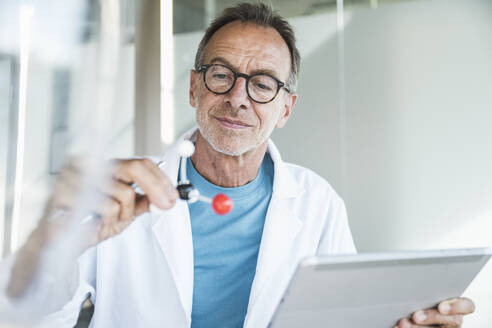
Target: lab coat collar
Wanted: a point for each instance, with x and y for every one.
(284, 184)
(173, 230)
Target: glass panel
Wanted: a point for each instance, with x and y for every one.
(62, 76)
(66, 89)
(5, 89)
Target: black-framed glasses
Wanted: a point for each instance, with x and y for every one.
(261, 88)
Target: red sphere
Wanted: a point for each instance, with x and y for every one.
(222, 204)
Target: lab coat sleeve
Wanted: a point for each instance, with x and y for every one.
(51, 300)
(336, 237)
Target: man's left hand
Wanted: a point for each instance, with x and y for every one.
(448, 314)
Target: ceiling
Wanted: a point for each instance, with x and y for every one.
(193, 15)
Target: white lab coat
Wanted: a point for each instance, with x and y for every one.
(144, 276)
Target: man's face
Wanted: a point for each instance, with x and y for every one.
(232, 123)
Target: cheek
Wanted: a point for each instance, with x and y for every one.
(204, 98)
(207, 98)
(200, 94)
(203, 102)
(269, 116)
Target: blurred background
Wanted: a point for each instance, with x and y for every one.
(394, 110)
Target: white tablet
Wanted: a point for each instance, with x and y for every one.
(374, 290)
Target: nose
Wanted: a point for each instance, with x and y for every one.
(237, 97)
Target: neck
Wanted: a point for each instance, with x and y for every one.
(225, 170)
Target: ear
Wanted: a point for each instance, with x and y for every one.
(194, 88)
(290, 101)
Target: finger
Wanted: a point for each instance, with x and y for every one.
(66, 189)
(125, 196)
(70, 177)
(76, 163)
(433, 317)
(91, 231)
(461, 305)
(142, 205)
(153, 182)
(406, 323)
(109, 212)
(106, 224)
(65, 194)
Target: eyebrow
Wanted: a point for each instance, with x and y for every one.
(224, 61)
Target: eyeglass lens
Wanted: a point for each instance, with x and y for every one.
(261, 88)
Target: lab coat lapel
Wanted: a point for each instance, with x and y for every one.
(173, 232)
(279, 233)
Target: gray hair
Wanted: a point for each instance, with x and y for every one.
(261, 15)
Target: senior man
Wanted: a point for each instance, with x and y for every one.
(187, 266)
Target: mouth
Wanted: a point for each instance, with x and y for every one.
(232, 124)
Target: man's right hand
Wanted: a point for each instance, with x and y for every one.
(116, 202)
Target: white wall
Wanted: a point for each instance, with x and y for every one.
(419, 100)
(419, 82)
(312, 136)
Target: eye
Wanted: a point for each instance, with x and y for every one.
(262, 86)
(220, 76)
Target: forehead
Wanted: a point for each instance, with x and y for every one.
(250, 47)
